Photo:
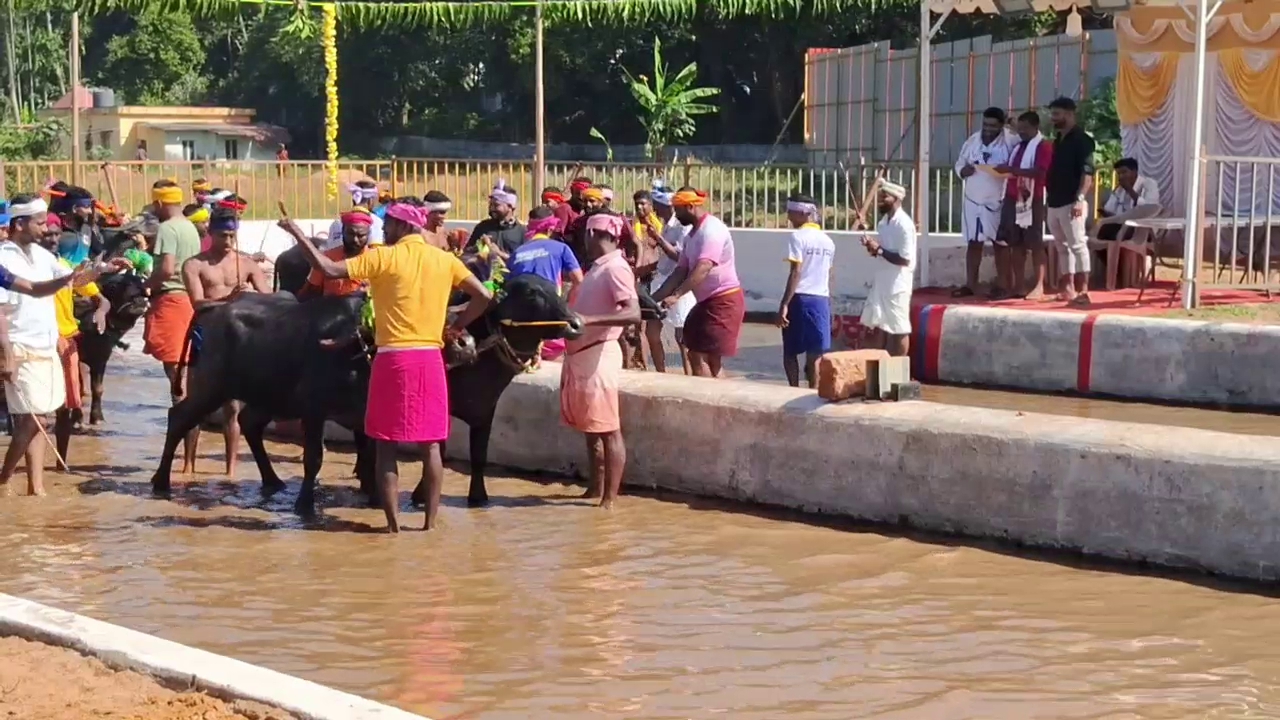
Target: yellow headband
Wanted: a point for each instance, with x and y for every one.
(201, 187)
(199, 216)
(593, 194)
(689, 198)
(167, 195)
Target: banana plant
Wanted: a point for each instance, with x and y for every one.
(669, 103)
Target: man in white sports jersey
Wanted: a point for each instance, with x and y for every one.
(984, 192)
(805, 311)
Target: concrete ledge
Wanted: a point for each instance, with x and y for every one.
(1165, 495)
(186, 667)
(993, 347)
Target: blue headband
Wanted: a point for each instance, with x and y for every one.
(82, 202)
(4, 212)
(223, 224)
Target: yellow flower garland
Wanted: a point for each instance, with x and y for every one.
(329, 40)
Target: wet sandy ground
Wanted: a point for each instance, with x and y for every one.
(669, 608)
(43, 682)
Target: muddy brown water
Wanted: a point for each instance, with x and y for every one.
(668, 608)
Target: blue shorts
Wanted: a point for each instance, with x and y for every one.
(808, 329)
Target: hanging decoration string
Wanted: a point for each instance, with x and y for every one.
(329, 40)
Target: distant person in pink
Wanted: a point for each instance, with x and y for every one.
(607, 302)
(707, 270)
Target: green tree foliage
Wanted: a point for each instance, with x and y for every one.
(31, 140)
(669, 103)
(450, 73)
(1098, 116)
(154, 59)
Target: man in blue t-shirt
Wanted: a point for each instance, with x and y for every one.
(542, 255)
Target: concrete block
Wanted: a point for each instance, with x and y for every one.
(903, 392)
(884, 373)
(842, 375)
(1185, 360)
(1010, 348)
(1175, 496)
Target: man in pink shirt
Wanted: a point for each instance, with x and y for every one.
(606, 301)
(706, 269)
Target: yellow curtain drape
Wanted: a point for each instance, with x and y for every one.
(1259, 90)
(1141, 92)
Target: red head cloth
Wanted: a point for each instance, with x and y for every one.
(357, 217)
(53, 221)
(552, 197)
(230, 204)
(578, 186)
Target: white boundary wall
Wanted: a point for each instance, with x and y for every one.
(186, 667)
(761, 260)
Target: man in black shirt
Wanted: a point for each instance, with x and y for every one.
(1069, 180)
(503, 229)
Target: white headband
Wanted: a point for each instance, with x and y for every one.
(893, 189)
(445, 206)
(360, 194)
(802, 207)
(27, 209)
(608, 194)
(662, 197)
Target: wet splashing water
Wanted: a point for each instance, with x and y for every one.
(669, 608)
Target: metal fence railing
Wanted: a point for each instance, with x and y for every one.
(1240, 242)
(747, 196)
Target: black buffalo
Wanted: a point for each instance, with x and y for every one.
(287, 359)
(128, 298)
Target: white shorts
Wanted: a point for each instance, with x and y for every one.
(888, 312)
(677, 313)
(981, 222)
(38, 387)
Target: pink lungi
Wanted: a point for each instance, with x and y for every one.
(552, 349)
(408, 396)
(589, 388)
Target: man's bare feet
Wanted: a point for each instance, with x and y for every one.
(592, 493)
(36, 490)
(188, 469)
(4, 490)
(606, 504)
(1037, 294)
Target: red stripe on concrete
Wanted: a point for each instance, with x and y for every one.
(1084, 365)
(933, 342)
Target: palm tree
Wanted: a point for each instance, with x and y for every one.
(669, 104)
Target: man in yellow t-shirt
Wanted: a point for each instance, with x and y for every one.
(409, 283)
(69, 352)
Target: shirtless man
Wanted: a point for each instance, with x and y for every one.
(213, 277)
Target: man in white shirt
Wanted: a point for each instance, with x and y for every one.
(887, 311)
(984, 193)
(669, 244)
(805, 311)
(364, 193)
(1132, 191)
(34, 384)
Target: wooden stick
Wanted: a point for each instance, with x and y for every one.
(111, 186)
(40, 426)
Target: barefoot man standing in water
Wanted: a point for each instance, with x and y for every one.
(213, 277)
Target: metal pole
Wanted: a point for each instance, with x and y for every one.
(924, 116)
(539, 121)
(1194, 203)
(74, 59)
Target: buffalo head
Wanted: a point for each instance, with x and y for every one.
(529, 306)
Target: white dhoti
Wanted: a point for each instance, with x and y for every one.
(981, 221)
(677, 313)
(38, 387)
(886, 310)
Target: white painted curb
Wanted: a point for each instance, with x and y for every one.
(222, 677)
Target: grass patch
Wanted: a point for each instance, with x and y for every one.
(1265, 313)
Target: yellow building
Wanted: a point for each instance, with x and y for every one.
(167, 133)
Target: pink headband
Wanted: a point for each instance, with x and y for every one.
(611, 224)
(544, 226)
(413, 215)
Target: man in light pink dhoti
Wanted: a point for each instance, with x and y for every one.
(607, 302)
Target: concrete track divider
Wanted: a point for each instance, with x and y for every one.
(1174, 497)
(185, 667)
